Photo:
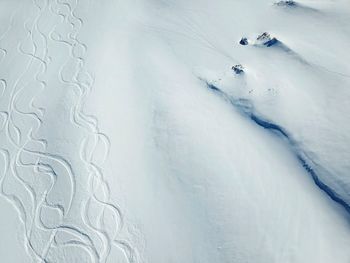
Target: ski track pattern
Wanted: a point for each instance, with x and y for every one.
(43, 186)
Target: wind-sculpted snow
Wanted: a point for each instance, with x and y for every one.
(174, 131)
(247, 109)
(332, 179)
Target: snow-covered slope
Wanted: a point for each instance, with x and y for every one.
(174, 131)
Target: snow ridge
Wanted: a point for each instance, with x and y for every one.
(246, 108)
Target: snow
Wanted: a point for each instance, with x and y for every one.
(127, 136)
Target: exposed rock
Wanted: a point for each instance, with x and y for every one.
(238, 69)
(244, 41)
(286, 3)
(266, 40)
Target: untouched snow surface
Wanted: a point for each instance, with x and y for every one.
(175, 131)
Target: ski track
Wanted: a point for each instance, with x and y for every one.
(32, 177)
(27, 161)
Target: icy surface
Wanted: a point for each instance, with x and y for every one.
(177, 131)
